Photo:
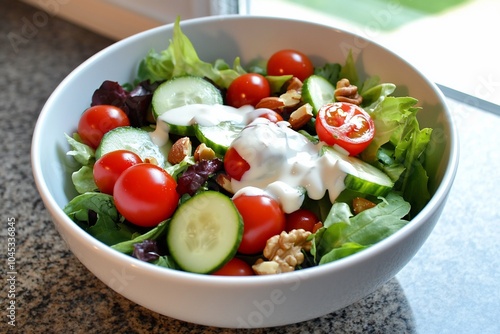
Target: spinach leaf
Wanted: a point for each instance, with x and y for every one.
(329, 71)
(345, 250)
(157, 232)
(166, 262)
(96, 213)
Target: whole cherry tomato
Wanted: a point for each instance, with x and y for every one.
(110, 166)
(99, 119)
(235, 267)
(301, 219)
(346, 125)
(234, 165)
(262, 219)
(247, 89)
(145, 194)
(290, 62)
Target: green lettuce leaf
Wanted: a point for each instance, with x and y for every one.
(83, 154)
(390, 115)
(83, 180)
(181, 58)
(349, 71)
(344, 234)
(373, 95)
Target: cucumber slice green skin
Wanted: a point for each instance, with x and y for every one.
(205, 232)
(132, 139)
(184, 90)
(181, 130)
(364, 178)
(317, 91)
(218, 137)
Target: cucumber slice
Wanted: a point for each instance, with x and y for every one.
(205, 232)
(218, 137)
(361, 176)
(133, 139)
(317, 91)
(181, 91)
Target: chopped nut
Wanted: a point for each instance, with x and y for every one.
(272, 102)
(295, 84)
(284, 252)
(151, 160)
(203, 152)
(224, 181)
(301, 116)
(291, 98)
(180, 149)
(345, 92)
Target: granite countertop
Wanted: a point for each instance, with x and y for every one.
(451, 286)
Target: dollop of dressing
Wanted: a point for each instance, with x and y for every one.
(283, 163)
(203, 114)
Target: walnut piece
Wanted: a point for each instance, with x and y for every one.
(284, 252)
(345, 92)
(180, 149)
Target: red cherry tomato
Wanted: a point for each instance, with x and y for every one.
(234, 165)
(346, 125)
(235, 267)
(262, 219)
(109, 167)
(145, 194)
(301, 219)
(291, 62)
(269, 114)
(97, 120)
(247, 89)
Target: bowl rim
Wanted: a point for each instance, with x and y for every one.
(431, 207)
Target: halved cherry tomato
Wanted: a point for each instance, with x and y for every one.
(110, 166)
(235, 267)
(234, 165)
(290, 62)
(247, 89)
(145, 194)
(346, 125)
(262, 219)
(97, 120)
(301, 219)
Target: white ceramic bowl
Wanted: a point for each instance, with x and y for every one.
(259, 301)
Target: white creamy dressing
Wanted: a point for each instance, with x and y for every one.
(202, 114)
(283, 163)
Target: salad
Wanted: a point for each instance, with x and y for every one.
(264, 168)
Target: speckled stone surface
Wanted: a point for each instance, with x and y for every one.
(451, 286)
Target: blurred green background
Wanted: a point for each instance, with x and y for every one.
(385, 14)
